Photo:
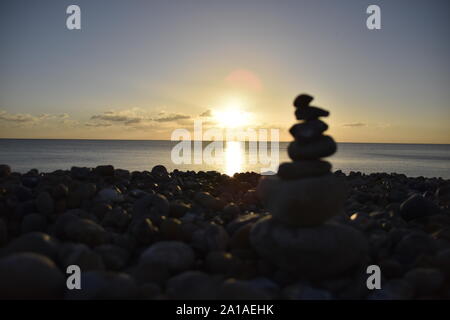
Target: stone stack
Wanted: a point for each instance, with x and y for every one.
(299, 237)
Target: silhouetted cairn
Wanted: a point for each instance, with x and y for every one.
(298, 237)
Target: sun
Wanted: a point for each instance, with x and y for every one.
(232, 116)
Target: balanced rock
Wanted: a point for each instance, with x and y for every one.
(302, 202)
(303, 169)
(310, 113)
(314, 252)
(308, 130)
(324, 146)
(303, 100)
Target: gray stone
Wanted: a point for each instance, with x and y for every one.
(110, 195)
(324, 146)
(44, 203)
(176, 256)
(81, 255)
(36, 242)
(315, 252)
(86, 231)
(210, 238)
(302, 202)
(303, 168)
(30, 276)
(425, 281)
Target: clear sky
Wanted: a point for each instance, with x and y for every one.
(139, 69)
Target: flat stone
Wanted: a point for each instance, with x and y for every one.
(318, 148)
(304, 202)
(302, 101)
(36, 242)
(309, 253)
(303, 168)
(310, 113)
(308, 130)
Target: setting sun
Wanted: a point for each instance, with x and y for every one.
(232, 115)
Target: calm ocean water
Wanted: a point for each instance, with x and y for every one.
(49, 155)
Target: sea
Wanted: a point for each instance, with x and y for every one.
(413, 160)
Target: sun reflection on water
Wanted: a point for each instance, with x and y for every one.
(234, 156)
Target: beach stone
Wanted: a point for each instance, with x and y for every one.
(300, 291)
(3, 233)
(149, 291)
(178, 208)
(36, 242)
(114, 257)
(81, 255)
(5, 170)
(303, 168)
(159, 172)
(60, 191)
(150, 272)
(110, 195)
(241, 238)
(240, 221)
(220, 262)
(103, 285)
(144, 231)
(116, 218)
(33, 222)
(207, 201)
(210, 238)
(310, 113)
(315, 252)
(443, 194)
(425, 281)
(233, 289)
(171, 229)
(192, 285)
(80, 173)
(152, 205)
(176, 256)
(412, 246)
(308, 130)
(303, 100)
(396, 289)
(30, 276)
(417, 206)
(104, 171)
(230, 211)
(44, 203)
(301, 202)
(23, 193)
(324, 146)
(86, 231)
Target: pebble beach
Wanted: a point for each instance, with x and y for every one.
(187, 235)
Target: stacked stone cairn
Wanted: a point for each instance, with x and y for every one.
(301, 236)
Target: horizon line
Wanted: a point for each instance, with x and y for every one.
(88, 139)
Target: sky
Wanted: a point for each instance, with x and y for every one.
(141, 69)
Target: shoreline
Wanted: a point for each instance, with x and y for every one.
(185, 234)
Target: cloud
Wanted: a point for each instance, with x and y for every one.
(354, 125)
(97, 124)
(26, 119)
(207, 113)
(172, 117)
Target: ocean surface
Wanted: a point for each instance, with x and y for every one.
(48, 155)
